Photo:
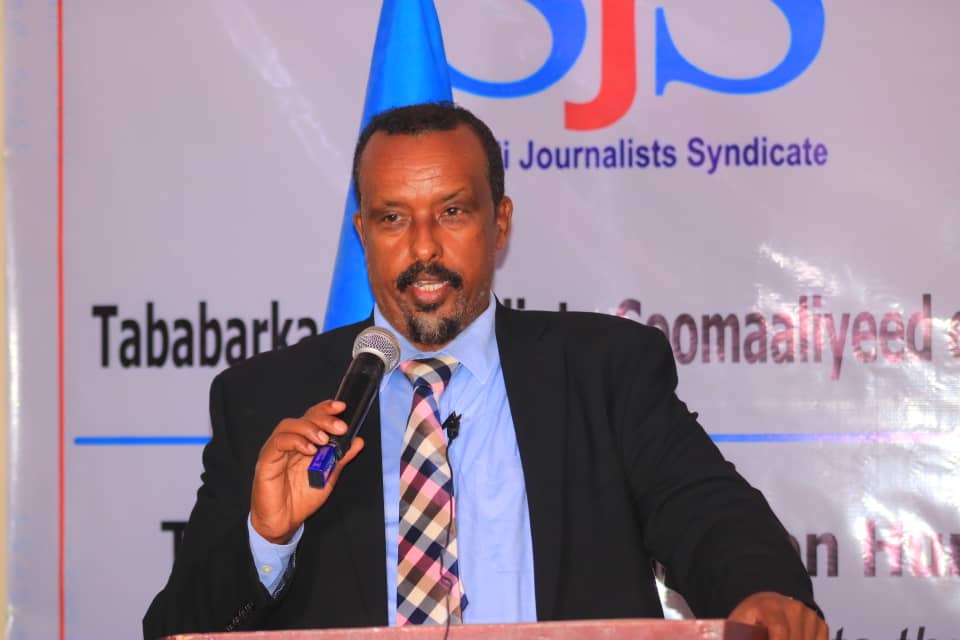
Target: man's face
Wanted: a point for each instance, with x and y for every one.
(430, 231)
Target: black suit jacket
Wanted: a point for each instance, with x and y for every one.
(618, 473)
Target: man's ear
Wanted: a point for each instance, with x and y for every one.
(358, 225)
(504, 220)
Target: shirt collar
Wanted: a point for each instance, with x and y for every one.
(475, 348)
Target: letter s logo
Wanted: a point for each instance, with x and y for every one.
(568, 28)
(806, 20)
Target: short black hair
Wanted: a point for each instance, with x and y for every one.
(424, 118)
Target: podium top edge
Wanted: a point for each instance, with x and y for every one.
(616, 629)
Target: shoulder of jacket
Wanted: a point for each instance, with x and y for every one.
(331, 346)
(591, 328)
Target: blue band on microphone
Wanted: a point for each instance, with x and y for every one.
(322, 466)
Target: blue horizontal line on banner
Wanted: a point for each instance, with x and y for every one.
(889, 436)
(871, 436)
(138, 441)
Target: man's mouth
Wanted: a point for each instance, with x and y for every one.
(428, 278)
(430, 286)
(429, 294)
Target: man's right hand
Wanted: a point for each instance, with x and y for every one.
(282, 497)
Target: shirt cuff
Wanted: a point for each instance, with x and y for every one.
(271, 560)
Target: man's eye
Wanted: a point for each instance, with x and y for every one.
(390, 218)
(452, 211)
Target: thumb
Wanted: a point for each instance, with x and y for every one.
(356, 446)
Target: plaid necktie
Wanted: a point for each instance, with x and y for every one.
(428, 584)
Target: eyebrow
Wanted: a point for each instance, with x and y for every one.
(446, 198)
(453, 195)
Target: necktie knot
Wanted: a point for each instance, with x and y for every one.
(430, 374)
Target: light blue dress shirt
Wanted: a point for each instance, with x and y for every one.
(493, 521)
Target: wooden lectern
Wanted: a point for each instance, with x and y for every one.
(574, 630)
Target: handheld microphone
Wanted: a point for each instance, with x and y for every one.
(375, 353)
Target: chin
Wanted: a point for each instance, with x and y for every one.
(433, 330)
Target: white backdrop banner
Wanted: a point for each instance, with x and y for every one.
(773, 183)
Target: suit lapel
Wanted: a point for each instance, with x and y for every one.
(359, 501)
(361, 514)
(534, 374)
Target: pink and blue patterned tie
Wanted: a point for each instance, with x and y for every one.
(429, 590)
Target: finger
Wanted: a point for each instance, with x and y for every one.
(804, 622)
(777, 624)
(823, 631)
(306, 428)
(745, 613)
(763, 611)
(803, 625)
(327, 407)
(289, 442)
(355, 447)
(325, 422)
(808, 625)
(776, 629)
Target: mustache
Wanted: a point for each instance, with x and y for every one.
(409, 275)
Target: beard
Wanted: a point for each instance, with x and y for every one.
(433, 330)
(424, 324)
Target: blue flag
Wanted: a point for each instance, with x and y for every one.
(408, 67)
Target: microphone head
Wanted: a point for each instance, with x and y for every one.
(381, 343)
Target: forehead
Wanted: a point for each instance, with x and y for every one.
(423, 161)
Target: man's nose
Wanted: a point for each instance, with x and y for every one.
(425, 242)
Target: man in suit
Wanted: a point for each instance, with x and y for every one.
(577, 466)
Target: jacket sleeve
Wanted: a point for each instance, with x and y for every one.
(715, 534)
(214, 585)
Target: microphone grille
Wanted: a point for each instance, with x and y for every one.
(381, 343)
